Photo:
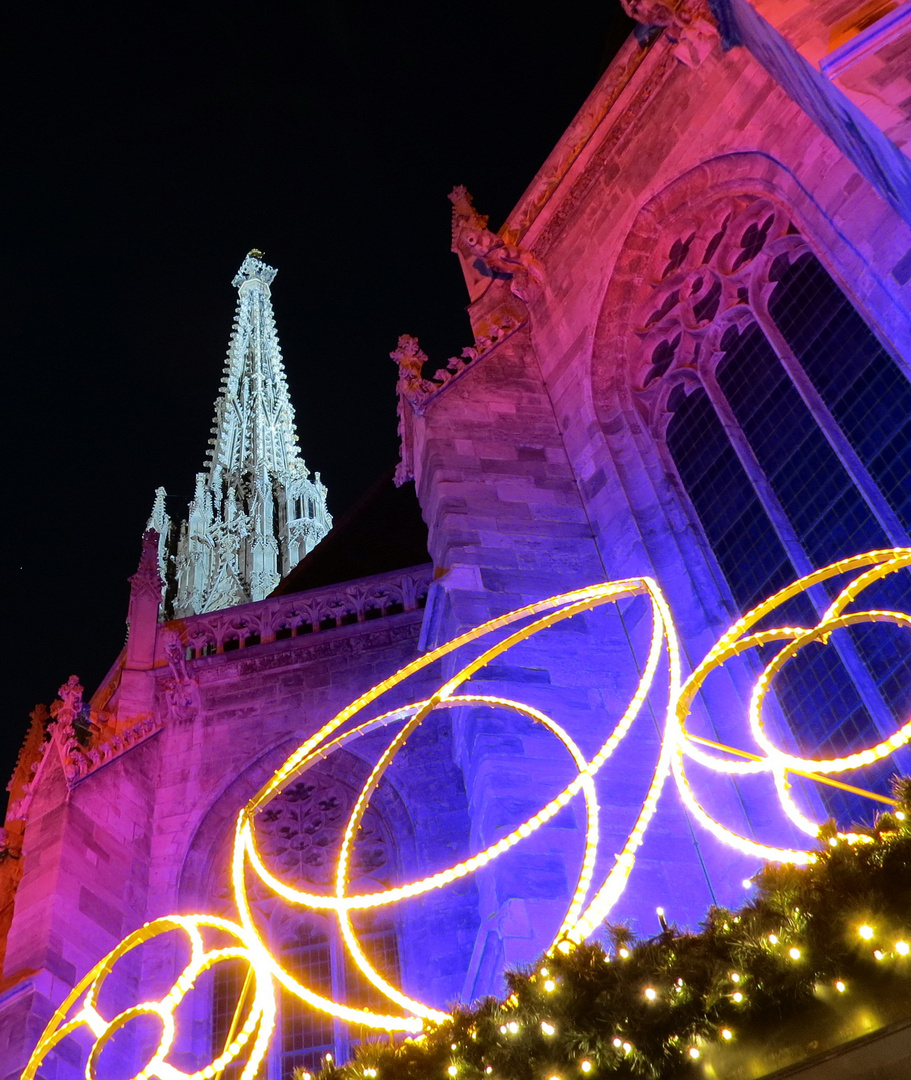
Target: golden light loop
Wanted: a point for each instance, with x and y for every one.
(585, 912)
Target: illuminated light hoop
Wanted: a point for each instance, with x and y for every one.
(578, 600)
(257, 1027)
(676, 746)
(591, 843)
(317, 747)
(778, 762)
(544, 815)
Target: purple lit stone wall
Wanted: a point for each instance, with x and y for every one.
(538, 472)
(146, 835)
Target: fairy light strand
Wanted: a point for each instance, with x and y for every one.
(254, 1017)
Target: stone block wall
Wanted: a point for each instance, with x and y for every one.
(536, 474)
(149, 833)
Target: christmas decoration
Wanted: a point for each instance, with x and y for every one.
(645, 1009)
(653, 1008)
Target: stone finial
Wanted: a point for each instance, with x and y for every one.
(70, 704)
(690, 24)
(254, 267)
(411, 358)
(148, 577)
(412, 388)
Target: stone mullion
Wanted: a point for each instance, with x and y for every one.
(836, 438)
(857, 670)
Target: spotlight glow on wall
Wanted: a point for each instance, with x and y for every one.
(590, 904)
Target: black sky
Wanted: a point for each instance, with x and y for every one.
(148, 147)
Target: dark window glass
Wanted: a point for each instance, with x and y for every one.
(307, 1035)
(861, 385)
(756, 565)
(751, 556)
(229, 978)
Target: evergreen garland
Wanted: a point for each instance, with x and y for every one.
(649, 1009)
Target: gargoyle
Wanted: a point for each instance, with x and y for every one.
(689, 23)
(493, 256)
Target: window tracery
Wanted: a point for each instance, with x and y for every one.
(789, 427)
(298, 835)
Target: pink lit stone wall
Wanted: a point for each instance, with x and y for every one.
(537, 472)
(146, 834)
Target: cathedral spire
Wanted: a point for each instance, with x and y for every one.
(256, 511)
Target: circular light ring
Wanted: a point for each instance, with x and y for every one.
(763, 684)
(260, 1015)
(318, 746)
(777, 762)
(584, 781)
(120, 1021)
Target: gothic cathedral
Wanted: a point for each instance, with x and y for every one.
(690, 375)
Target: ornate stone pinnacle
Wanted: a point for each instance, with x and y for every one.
(254, 267)
(464, 213)
(409, 354)
(255, 481)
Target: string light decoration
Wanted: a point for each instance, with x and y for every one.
(591, 902)
(249, 1034)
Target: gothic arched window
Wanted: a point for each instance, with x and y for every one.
(298, 835)
(789, 425)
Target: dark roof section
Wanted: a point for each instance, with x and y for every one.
(383, 531)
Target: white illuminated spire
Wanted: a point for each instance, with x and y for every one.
(255, 512)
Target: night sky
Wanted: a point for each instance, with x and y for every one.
(149, 147)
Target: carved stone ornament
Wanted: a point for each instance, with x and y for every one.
(181, 689)
(412, 388)
(411, 358)
(492, 256)
(689, 23)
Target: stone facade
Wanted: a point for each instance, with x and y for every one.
(553, 453)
